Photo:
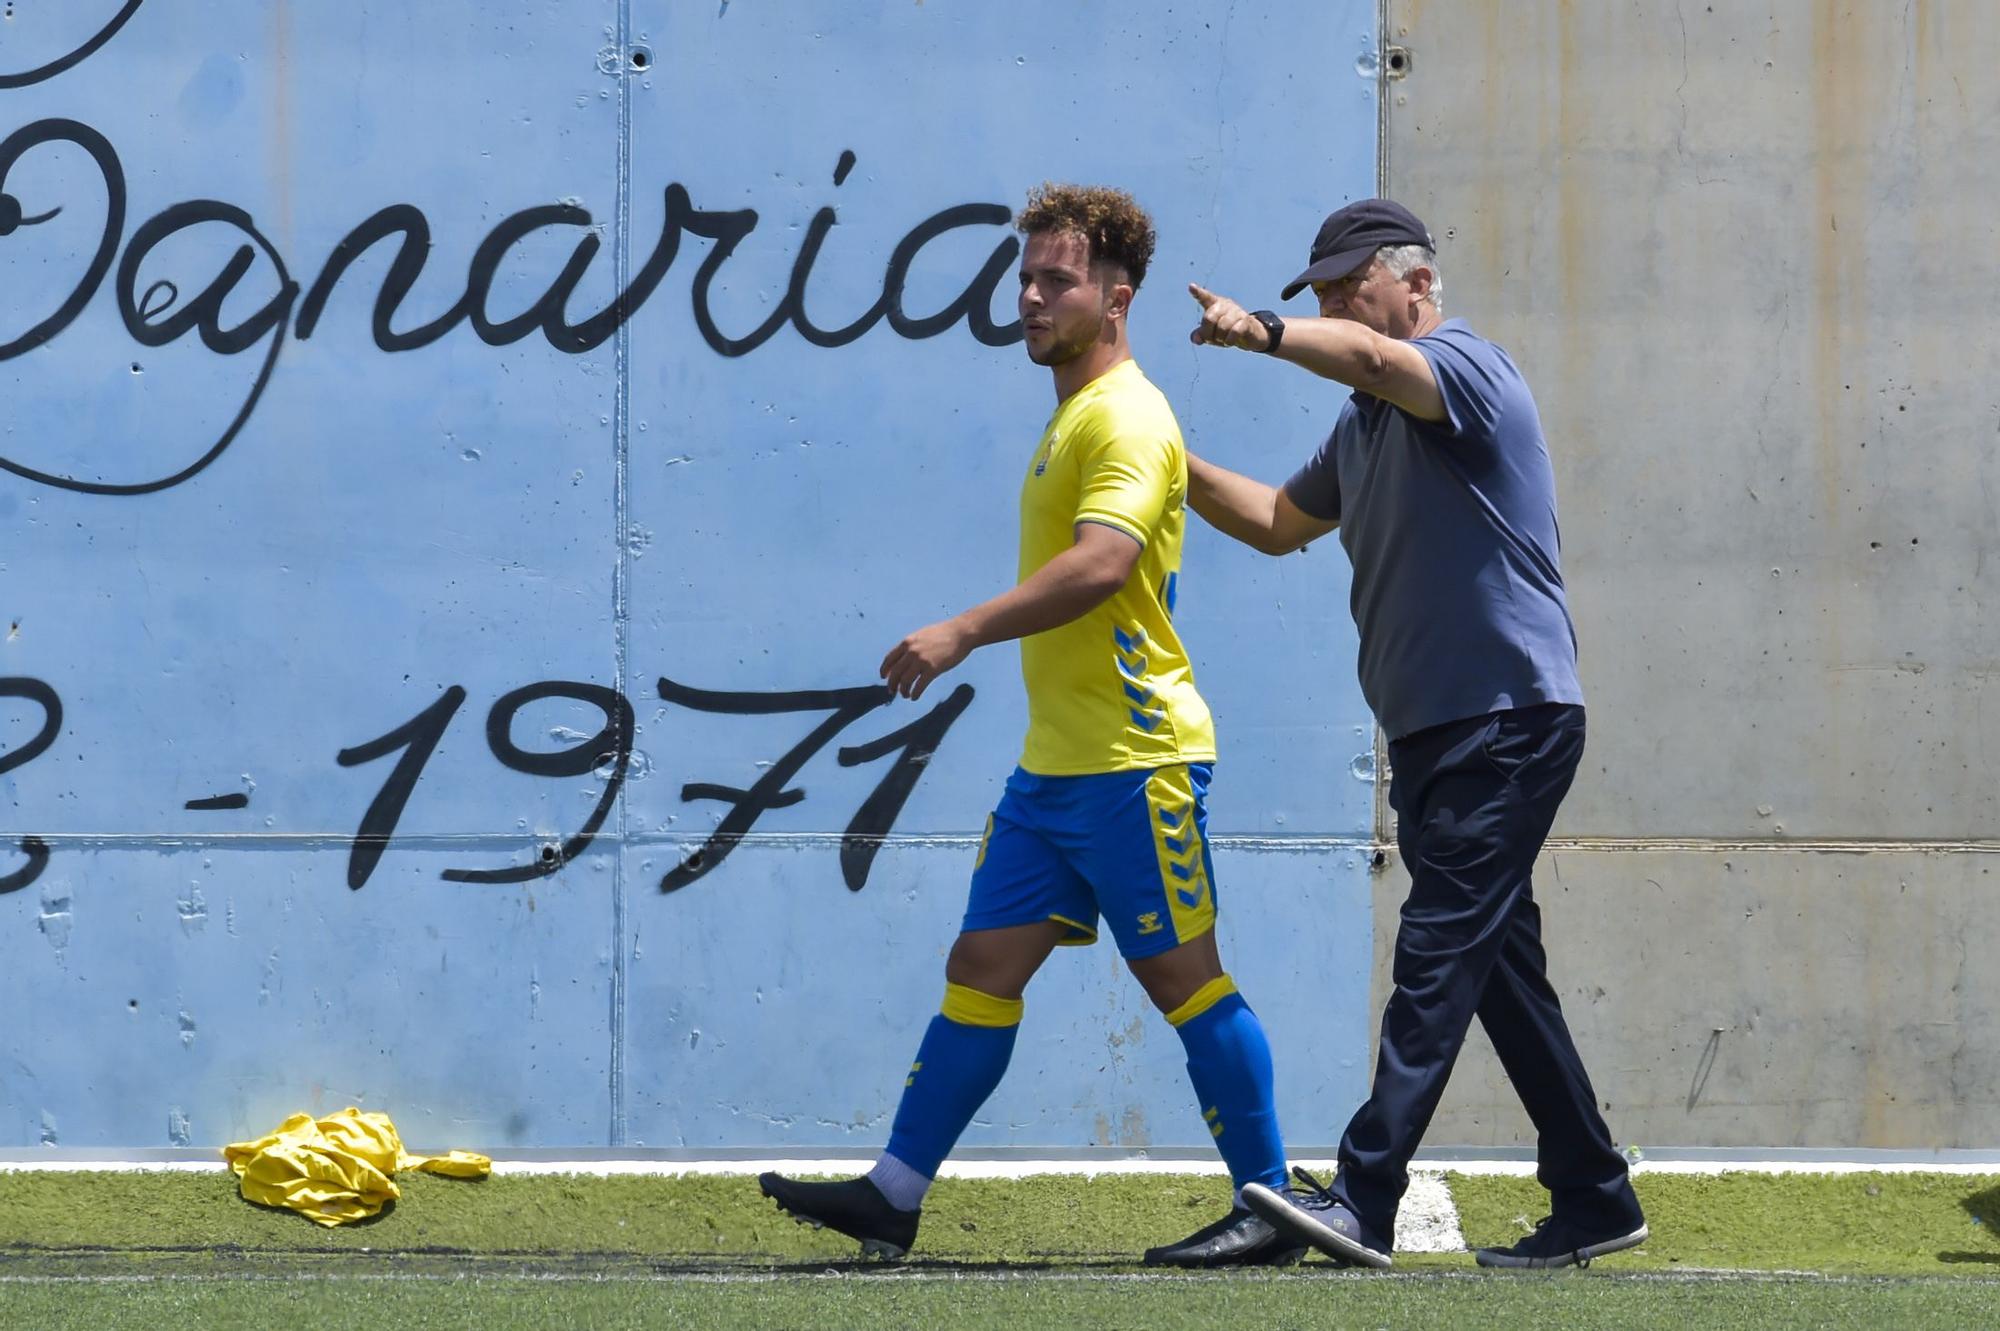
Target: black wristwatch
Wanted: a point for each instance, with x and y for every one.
(1272, 325)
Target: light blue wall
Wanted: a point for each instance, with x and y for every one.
(488, 512)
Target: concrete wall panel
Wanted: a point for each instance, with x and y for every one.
(737, 1002)
(1730, 247)
(196, 995)
(1723, 242)
(343, 561)
(1755, 996)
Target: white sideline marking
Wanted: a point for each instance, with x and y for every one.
(1427, 1221)
(111, 1166)
(1526, 1168)
(25, 1163)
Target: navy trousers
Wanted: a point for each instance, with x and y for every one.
(1474, 801)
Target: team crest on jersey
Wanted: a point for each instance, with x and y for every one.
(1042, 459)
(1149, 923)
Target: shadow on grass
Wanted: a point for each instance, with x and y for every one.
(388, 1209)
(1984, 1208)
(18, 1260)
(866, 1266)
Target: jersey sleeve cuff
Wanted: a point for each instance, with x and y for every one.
(1117, 522)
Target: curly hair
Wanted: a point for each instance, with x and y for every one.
(1110, 221)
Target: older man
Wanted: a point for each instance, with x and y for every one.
(1438, 479)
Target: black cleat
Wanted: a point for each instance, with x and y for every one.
(854, 1207)
(1557, 1243)
(1240, 1238)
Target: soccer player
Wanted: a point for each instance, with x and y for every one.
(1106, 813)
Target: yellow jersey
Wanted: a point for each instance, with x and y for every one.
(1111, 690)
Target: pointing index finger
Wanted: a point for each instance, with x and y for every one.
(1202, 294)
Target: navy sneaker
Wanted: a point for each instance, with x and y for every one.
(1559, 1243)
(1240, 1238)
(1311, 1214)
(854, 1207)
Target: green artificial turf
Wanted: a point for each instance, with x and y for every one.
(175, 1249)
(1311, 1299)
(1876, 1224)
(986, 1220)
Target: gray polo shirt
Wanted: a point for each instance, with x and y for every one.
(1451, 527)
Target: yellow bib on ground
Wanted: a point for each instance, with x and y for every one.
(337, 1169)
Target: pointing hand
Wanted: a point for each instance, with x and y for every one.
(1224, 323)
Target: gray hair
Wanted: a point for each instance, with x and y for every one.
(1400, 260)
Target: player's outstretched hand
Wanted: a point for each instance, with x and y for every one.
(920, 658)
(1224, 323)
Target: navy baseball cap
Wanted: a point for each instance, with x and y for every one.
(1349, 237)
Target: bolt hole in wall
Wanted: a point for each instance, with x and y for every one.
(1397, 61)
(641, 59)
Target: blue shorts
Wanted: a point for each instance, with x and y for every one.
(1131, 845)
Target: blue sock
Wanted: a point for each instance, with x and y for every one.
(1229, 1062)
(961, 1060)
